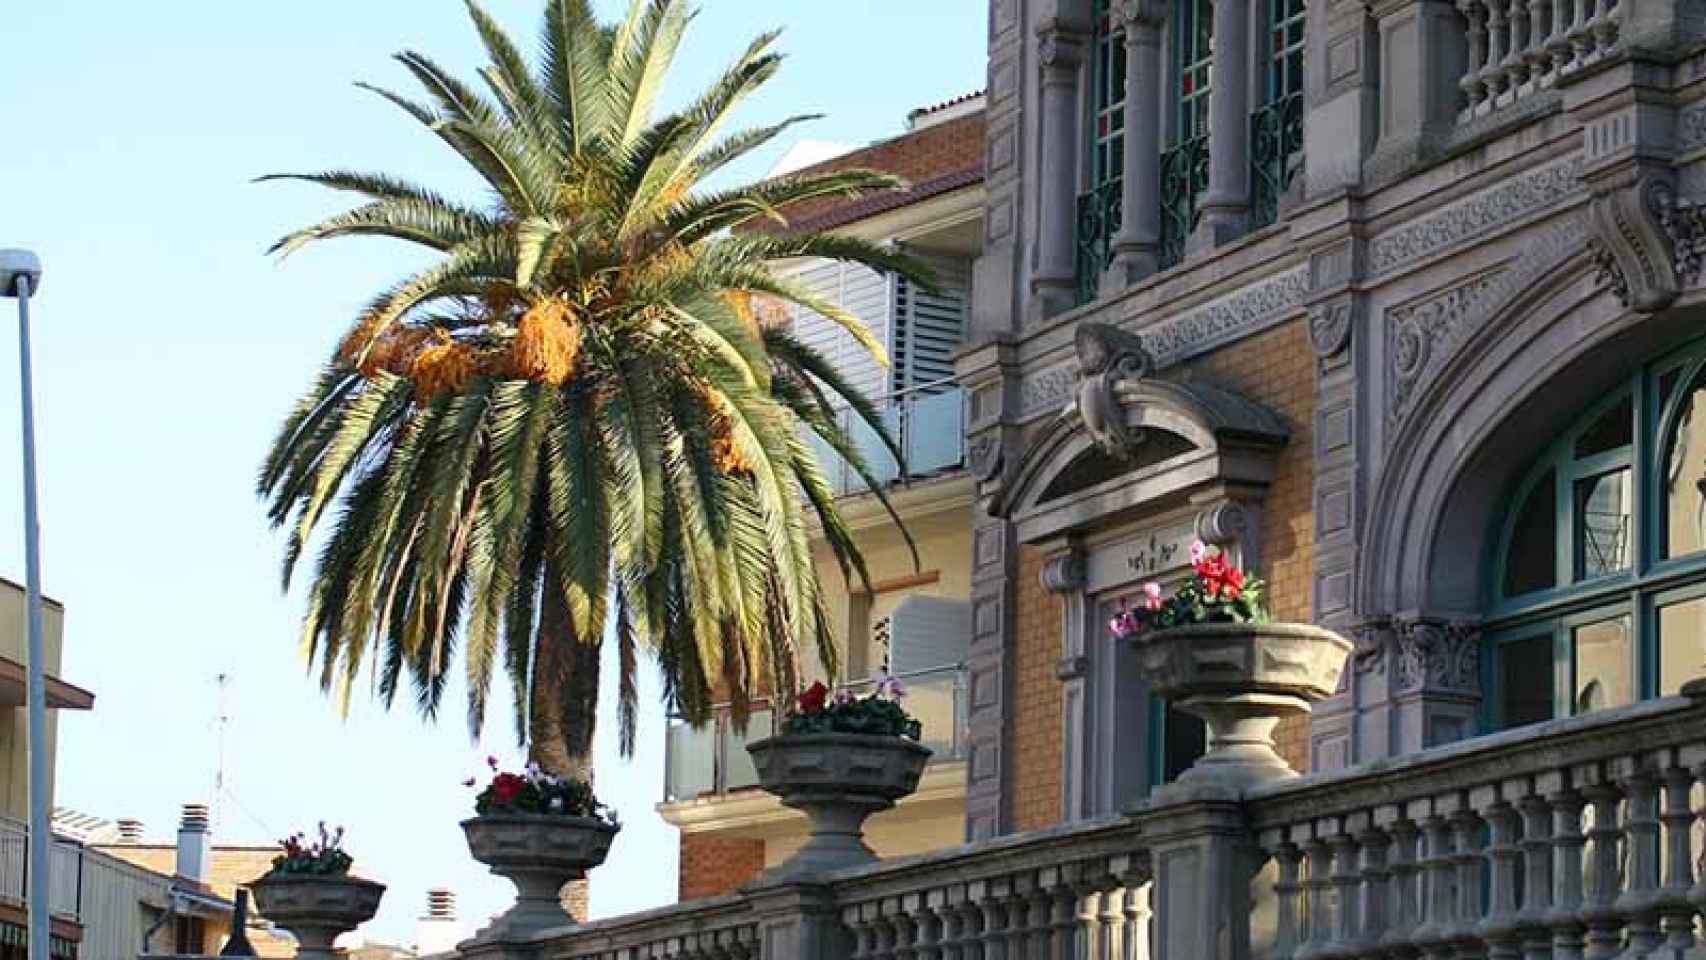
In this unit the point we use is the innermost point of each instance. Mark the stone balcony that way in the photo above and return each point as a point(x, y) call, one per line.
point(1536, 842)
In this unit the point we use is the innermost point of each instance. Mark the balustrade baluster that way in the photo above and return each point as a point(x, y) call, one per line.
point(1439, 897)
point(1534, 55)
point(971, 925)
point(1568, 843)
point(1346, 881)
point(1406, 876)
point(1580, 33)
point(1288, 927)
point(1066, 917)
point(1697, 894)
point(1135, 938)
point(1537, 877)
point(1108, 923)
point(1467, 827)
point(858, 932)
point(1639, 902)
point(1501, 928)
point(1515, 65)
point(1558, 41)
point(947, 905)
point(1376, 891)
point(1473, 87)
point(1317, 892)
point(1678, 820)
point(1605, 873)
point(900, 927)
point(1039, 940)
point(992, 899)
point(927, 932)
point(1608, 25)
point(1018, 918)
point(1498, 40)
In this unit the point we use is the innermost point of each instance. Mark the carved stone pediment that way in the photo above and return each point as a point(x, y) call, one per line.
point(1647, 242)
point(1107, 355)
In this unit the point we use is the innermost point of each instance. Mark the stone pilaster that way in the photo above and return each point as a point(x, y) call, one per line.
point(1341, 92)
point(1225, 213)
point(1203, 865)
point(998, 286)
point(799, 920)
point(1063, 575)
point(1060, 53)
point(1137, 246)
point(1422, 58)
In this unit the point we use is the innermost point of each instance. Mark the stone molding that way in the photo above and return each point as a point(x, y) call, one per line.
point(1434, 654)
point(1647, 242)
point(1425, 330)
point(1225, 320)
point(1691, 127)
point(1060, 49)
point(1480, 213)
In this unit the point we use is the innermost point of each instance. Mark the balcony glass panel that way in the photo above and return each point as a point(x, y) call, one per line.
point(692, 768)
point(741, 773)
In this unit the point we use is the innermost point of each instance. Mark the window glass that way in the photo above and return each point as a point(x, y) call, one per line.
point(1684, 480)
point(1184, 738)
point(1525, 681)
point(1603, 505)
point(1604, 674)
point(1195, 60)
point(1530, 563)
point(1682, 644)
point(1613, 430)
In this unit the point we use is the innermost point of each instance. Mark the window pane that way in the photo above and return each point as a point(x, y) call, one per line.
point(1682, 644)
point(1604, 674)
point(1530, 562)
point(742, 772)
point(1602, 523)
point(1685, 473)
point(1525, 681)
point(1614, 430)
point(1183, 740)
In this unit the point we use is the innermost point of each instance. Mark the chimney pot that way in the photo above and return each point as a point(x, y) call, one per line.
point(441, 904)
point(130, 830)
point(195, 844)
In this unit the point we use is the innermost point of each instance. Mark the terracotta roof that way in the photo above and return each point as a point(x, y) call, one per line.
point(945, 104)
point(934, 160)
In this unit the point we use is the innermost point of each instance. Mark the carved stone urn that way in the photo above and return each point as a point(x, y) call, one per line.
point(837, 780)
point(539, 853)
point(1241, 680)
point(316, 909)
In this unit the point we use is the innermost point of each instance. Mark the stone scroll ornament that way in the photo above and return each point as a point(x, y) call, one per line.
point(1647, 242)
point(1107, 355)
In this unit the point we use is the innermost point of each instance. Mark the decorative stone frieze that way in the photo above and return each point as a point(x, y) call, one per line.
point(1108, 356)
point(1436, 654)
point(1479, 213)
point(1425, 330)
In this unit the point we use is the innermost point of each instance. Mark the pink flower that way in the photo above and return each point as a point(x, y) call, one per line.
point(492, 762)
point(843, 697)
point(889, 686)
point(1152, 595)
point(1198, 551)
point(468, 782)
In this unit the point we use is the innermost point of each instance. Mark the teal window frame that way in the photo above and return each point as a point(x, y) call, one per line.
point(1276, 127)
point(1639, 590)
point(1098, 213)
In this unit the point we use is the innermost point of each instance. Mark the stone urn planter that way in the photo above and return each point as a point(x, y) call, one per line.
point(837, 780)
point(1241, 680)
point(316, 909)
point(539, 853)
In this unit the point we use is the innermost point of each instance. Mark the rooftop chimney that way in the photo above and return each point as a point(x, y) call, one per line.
point(195, 844)
point(438, 931)
point(129, 830)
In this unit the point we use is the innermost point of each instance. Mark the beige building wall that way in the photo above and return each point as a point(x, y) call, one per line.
point(14, 728)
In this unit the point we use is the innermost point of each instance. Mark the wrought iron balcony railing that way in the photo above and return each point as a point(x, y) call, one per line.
point(1184, 180)
point(1098, 222)
point(1276, 155)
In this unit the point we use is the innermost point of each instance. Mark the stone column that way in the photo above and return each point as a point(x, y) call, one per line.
point(1137, 246)
point(1060, 52)
point(1225, 211)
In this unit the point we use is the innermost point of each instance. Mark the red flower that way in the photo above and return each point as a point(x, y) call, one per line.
point(813, 699)
point(1232, 584)
point(505, 786)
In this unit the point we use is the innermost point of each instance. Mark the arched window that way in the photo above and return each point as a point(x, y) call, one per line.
point(1599, 590)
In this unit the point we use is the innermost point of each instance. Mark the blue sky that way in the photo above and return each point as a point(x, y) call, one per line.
point(167, 347)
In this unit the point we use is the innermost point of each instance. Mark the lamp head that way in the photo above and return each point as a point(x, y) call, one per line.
point(16, 265)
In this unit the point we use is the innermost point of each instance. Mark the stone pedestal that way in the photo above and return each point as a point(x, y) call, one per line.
point(539, 853)
point(1240, 679)
point(837, 780)
point(315, 909)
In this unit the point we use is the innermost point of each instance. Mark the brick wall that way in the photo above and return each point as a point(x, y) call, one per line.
point(713, 865)
point(1276, 368)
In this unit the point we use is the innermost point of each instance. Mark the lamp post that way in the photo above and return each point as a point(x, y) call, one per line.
point(20, 278)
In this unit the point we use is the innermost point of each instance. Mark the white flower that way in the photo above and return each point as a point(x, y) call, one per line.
point(556, 803)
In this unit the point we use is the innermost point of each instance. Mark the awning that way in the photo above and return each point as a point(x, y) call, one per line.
point(15, 935)
point(60, 695)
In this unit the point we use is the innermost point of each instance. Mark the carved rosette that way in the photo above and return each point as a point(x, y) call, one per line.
point(1436, 654)
point(1330, 330)
point(1108, 356)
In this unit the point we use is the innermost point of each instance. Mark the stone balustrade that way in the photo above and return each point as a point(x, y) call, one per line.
point(1572, 839)
point(1518, 47)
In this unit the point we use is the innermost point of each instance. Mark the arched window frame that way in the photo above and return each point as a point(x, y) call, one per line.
point(1638, 593)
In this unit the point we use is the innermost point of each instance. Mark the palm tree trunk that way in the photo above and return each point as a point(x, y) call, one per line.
point(563, 710)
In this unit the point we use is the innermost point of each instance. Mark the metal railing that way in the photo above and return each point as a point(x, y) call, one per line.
point(65, 873)
point(1098, 222)
point(1276, 155)
point(711, 761)
point(928, 423)
point(1184, 181)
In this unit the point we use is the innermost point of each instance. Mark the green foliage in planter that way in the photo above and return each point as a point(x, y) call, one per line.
point(875, 714)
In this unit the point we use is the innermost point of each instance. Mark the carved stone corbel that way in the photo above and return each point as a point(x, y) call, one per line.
point(1646, 242)
point(1143, 13)
point(1374, 639)
point(1233, 523)
point(1108, 355)
point(986, 458)
point(1064, 573)
point(1330, 331)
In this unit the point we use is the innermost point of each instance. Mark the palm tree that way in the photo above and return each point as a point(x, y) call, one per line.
point(577, 421)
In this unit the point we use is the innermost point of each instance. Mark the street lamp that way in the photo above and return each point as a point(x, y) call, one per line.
point(20, 277)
